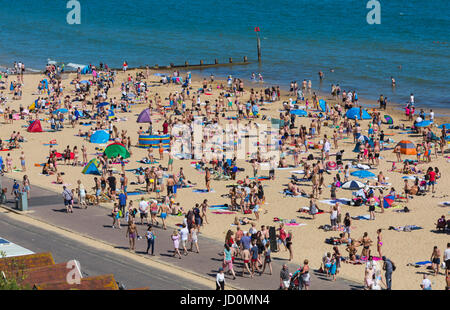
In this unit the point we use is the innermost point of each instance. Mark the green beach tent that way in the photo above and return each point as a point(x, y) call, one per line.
point(117, 149)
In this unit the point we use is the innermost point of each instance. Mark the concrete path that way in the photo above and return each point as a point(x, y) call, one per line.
point(95, 222)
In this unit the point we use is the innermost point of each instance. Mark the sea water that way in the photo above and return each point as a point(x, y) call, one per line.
point(298, 38)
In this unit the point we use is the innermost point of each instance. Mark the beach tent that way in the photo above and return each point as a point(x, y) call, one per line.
point(323, 105)
point(354, 113)
point(353, 185)
point(389, 119)
point(447, 126)
point(62, 110)
point(407, 147)
point(423, 124)
point(86, 70)
point(116, 149)
point(100, 136)
point(363, 174)
point(92, 167)
point(145, 116)
point(299, 112)
point(35, 126)
point(388, 201)
point(147, 141)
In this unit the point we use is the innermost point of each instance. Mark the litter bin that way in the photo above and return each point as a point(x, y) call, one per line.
point(22, 204)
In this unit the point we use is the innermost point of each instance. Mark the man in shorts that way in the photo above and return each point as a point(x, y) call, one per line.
point(184, 233)
point(143, 210)
point(285, 278)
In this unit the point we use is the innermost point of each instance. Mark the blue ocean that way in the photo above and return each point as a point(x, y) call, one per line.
point(298, 38)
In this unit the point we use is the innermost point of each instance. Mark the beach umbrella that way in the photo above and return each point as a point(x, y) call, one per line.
point(447, 126)
point(423, 124)
point(331, 165)
point(389, 119)
point(353, 185)
point(362, 174)
point(407, 147)
point(388, 201)
point(299, 112)
point(144, 116)
point(354, 113)
point(116, 149)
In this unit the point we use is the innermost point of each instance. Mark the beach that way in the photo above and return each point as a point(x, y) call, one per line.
point(308, 240)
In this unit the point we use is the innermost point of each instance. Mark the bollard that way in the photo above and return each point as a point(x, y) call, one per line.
point(22, 204)
point(245, 58)
point(231, 60)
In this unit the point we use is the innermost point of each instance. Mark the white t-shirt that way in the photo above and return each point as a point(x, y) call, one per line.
point(184, 232)
point(432, 116)
point(326, 146)
point(447, 254)
point(426, 283)
point(143, 206)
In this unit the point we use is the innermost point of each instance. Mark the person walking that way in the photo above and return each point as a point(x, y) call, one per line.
point(67, 195)
point(228, 259)
point(150, 240)
point(389, 268)
point(220, 280)
point(175, 237)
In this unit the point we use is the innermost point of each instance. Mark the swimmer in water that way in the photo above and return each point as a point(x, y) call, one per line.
point(392, 81)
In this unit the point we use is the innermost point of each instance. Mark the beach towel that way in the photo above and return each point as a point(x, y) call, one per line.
point(135, 193)
point(444, 204)
point(344, 201)
point(361, 217)
point(218, 207)
point(418, 264)
point(298, 171)
point(223, 212)
point(200, 191)
point(407, 228)
point(295, 224)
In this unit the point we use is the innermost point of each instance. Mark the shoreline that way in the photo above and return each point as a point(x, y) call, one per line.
point(440, 113)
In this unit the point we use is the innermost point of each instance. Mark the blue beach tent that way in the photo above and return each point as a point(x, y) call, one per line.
point(91, 167)
point(323, 105)
point(354, 113)
point(100, 136)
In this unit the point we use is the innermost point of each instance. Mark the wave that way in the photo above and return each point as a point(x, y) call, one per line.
point(76, 66)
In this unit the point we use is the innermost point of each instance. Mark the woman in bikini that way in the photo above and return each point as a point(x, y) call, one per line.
point(204, 208)
point(379, 242)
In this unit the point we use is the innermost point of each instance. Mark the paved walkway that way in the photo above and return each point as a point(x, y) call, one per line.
point(95, 222)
